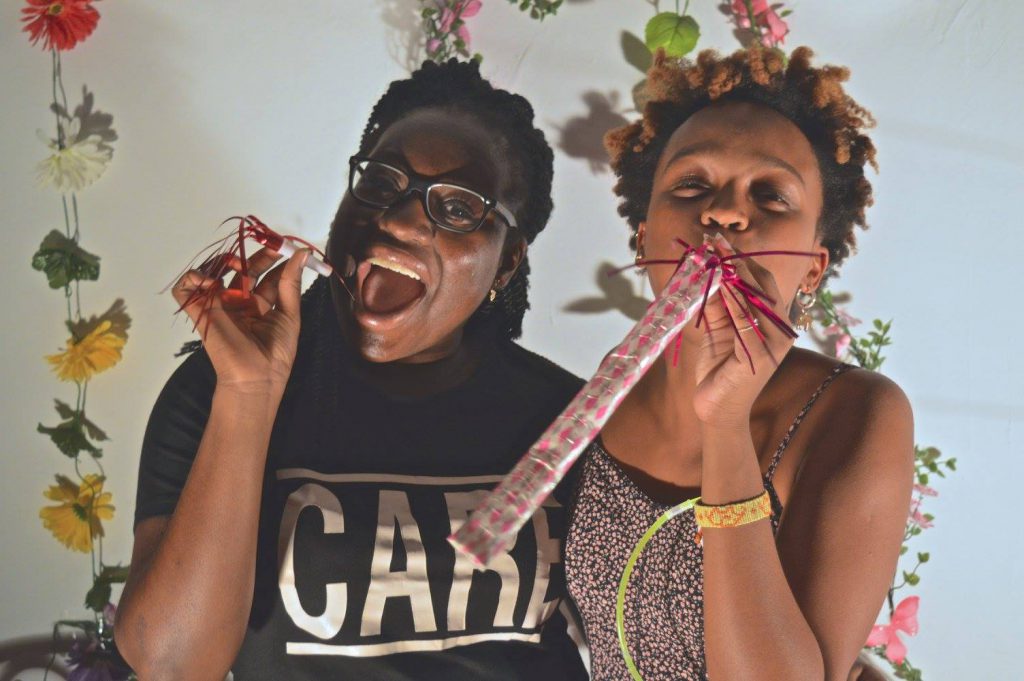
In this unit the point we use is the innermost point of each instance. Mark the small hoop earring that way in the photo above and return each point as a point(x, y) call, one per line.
point(805, 300)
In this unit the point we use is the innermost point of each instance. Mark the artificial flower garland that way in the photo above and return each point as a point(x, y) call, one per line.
point(80, 153)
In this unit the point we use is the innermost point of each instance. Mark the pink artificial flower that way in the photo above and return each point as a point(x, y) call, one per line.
point(463, 9)
point(925, 490)
point(846, 318)
point(904, 618)
point(777, 28)
point(843, 344)
point(917, 517)
point(61, 25)
point(432, 45)
point(773, 28)
point(739, 8)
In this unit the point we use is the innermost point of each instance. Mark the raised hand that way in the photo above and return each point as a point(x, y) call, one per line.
point(250, 330)
point(728, 380)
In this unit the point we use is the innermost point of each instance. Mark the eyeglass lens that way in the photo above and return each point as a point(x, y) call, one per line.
point(454, 207)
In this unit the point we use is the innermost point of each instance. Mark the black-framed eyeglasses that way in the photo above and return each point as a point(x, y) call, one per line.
point(451, 207)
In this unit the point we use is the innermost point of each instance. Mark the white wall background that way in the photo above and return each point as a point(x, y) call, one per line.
point(229, 107)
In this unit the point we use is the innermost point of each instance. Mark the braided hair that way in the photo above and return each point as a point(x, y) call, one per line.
point(457, 86)
point(811, 97)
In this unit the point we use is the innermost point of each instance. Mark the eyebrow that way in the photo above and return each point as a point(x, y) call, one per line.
point(711, 147)
point(457, 175)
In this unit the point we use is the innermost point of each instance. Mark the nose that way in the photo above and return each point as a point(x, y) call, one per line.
point(406, 219)
point(724, 213)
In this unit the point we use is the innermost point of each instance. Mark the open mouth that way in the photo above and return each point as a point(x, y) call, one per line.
point(387, 287)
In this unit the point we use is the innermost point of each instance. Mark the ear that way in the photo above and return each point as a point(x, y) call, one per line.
point(819, 265)
point(511, 257)
point(641, 229)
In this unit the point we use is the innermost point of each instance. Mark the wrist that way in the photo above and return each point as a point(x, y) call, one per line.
point(250, 400)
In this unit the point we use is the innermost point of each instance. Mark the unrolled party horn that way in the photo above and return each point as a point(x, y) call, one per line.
point(700, 273)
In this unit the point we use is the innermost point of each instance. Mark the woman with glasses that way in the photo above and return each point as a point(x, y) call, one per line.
point(301, 473)
point(803, 464)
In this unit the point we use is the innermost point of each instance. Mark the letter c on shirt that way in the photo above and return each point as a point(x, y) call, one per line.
point(328, 624)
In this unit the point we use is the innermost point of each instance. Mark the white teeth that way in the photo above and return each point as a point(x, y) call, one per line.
point(394, 267)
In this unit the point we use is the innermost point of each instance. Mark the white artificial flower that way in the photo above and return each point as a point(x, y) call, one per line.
point(80, 163)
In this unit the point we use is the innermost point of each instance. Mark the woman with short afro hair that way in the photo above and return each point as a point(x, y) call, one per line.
point(803, 464)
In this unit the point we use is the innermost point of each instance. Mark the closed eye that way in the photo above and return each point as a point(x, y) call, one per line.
point(771, 198)
point(690, 187)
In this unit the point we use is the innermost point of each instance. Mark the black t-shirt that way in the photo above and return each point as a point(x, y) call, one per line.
point(354, 576)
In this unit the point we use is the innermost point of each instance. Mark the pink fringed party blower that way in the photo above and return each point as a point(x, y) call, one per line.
point(498, 519)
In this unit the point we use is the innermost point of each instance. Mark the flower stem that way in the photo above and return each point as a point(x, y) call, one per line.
point(755, 27)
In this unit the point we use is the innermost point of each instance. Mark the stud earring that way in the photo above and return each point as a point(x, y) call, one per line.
point(492, 295)
point(805, 300)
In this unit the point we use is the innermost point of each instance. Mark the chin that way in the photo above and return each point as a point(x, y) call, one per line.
point(373, 348)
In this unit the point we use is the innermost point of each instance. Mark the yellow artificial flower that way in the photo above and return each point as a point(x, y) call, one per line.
point(76, 521)
point(99, 350)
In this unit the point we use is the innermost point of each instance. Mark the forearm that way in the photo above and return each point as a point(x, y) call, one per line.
point(184, 611)
point(754, 628)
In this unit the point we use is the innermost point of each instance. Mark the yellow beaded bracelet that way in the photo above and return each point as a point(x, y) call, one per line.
point(734, 514)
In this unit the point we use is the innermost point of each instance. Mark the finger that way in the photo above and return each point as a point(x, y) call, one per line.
point(196, 294)
point(257, 264)
point(289, 286)
point(750, 271)
point(266, 292)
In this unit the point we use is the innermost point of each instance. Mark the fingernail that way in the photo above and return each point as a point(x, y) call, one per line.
point(305, 256)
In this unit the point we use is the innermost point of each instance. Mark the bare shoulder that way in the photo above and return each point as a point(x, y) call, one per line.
point(862, 419)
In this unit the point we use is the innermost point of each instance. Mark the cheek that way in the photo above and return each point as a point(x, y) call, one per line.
point(351, 220)
point(469, 266)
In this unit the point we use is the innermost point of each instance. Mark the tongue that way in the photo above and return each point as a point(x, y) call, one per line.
point(385, 291)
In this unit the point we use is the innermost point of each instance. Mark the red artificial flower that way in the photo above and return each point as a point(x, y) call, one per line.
point(61, 24)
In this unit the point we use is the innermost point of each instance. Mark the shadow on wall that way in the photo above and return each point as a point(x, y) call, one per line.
point(582, 137)
point(618, 293)
point(32, 654)
point(405, 32)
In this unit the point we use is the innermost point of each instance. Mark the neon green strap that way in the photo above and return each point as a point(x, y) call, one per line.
point(620, 601)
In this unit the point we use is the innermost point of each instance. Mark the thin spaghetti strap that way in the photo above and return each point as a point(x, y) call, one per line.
point(777, 457)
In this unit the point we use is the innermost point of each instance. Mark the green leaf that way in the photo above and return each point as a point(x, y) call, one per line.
point(676, 34)
point(70, 438)
point(62, 260)
point(911, 578)
point(923, 557)
point(66, 412)
point(951, 464)
point(903, 550)
point(98, 596)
